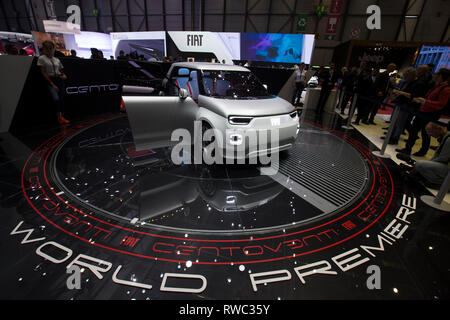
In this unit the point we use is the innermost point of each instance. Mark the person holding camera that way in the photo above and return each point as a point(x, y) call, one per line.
point(431, 109)
point(411, 87)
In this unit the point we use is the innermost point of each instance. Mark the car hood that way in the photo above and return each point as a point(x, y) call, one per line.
point(243, 107)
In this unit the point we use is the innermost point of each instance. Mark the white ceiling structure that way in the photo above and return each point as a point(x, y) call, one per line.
point(401, 20)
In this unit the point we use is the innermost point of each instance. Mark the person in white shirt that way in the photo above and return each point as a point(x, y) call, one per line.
point(52, 70)
point(299, 82)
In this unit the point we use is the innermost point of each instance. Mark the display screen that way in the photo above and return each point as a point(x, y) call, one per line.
point(274, 47)
point(149, 45)
point(437, 55)
point(83, 42)
point(264, 47)
point(146, 48)
point(57, 38)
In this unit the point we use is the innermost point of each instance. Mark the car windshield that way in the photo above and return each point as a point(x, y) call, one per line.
point(232, 85)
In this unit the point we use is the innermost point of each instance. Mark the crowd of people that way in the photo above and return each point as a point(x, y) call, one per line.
point(133, 55)
point(433, 172)
point(11, 49)
point(421, 96)
point(426, 101)
point(371, 86)
point(422, 104)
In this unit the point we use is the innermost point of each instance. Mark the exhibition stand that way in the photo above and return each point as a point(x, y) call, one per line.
point(93, 87)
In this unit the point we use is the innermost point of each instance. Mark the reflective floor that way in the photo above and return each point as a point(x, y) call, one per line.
point(335, 221)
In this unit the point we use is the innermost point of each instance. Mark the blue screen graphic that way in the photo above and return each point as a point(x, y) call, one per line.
point(274, 47)
point(437, 55)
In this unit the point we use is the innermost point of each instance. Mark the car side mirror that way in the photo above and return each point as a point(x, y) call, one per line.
point(183, 94)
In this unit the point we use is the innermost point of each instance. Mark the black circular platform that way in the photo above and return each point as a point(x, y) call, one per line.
point(90, 183)
point(99, 169)
point(220, 231)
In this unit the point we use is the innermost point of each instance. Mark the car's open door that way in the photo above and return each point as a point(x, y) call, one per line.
point(154, 118)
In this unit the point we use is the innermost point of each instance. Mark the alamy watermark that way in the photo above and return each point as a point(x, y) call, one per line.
point(240, 146)
point(374, 280)
point(74, 279)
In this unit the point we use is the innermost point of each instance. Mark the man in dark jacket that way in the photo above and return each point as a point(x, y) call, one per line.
point(348, 84)
point(425, 85)
point(364, 89)
point(381, 86)
point(327, 78)
point(430, 110)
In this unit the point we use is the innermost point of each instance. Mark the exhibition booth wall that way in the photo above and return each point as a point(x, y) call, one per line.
point(93, 87)
point(225, 47)
point(378, 54)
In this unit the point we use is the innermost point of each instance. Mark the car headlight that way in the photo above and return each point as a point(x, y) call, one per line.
point(237, 120)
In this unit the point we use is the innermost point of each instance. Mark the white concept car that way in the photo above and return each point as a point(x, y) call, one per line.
point(227, 98)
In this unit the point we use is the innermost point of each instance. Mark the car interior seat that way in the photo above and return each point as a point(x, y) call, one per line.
point(193, 85)
point(222, 85)
point(182, 78)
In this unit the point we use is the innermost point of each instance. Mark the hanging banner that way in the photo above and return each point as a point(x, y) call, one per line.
point(50, 8)
point(61, 27)
point(332, 24)
point(302, 22)
point(201, 41)
point(335, 7)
